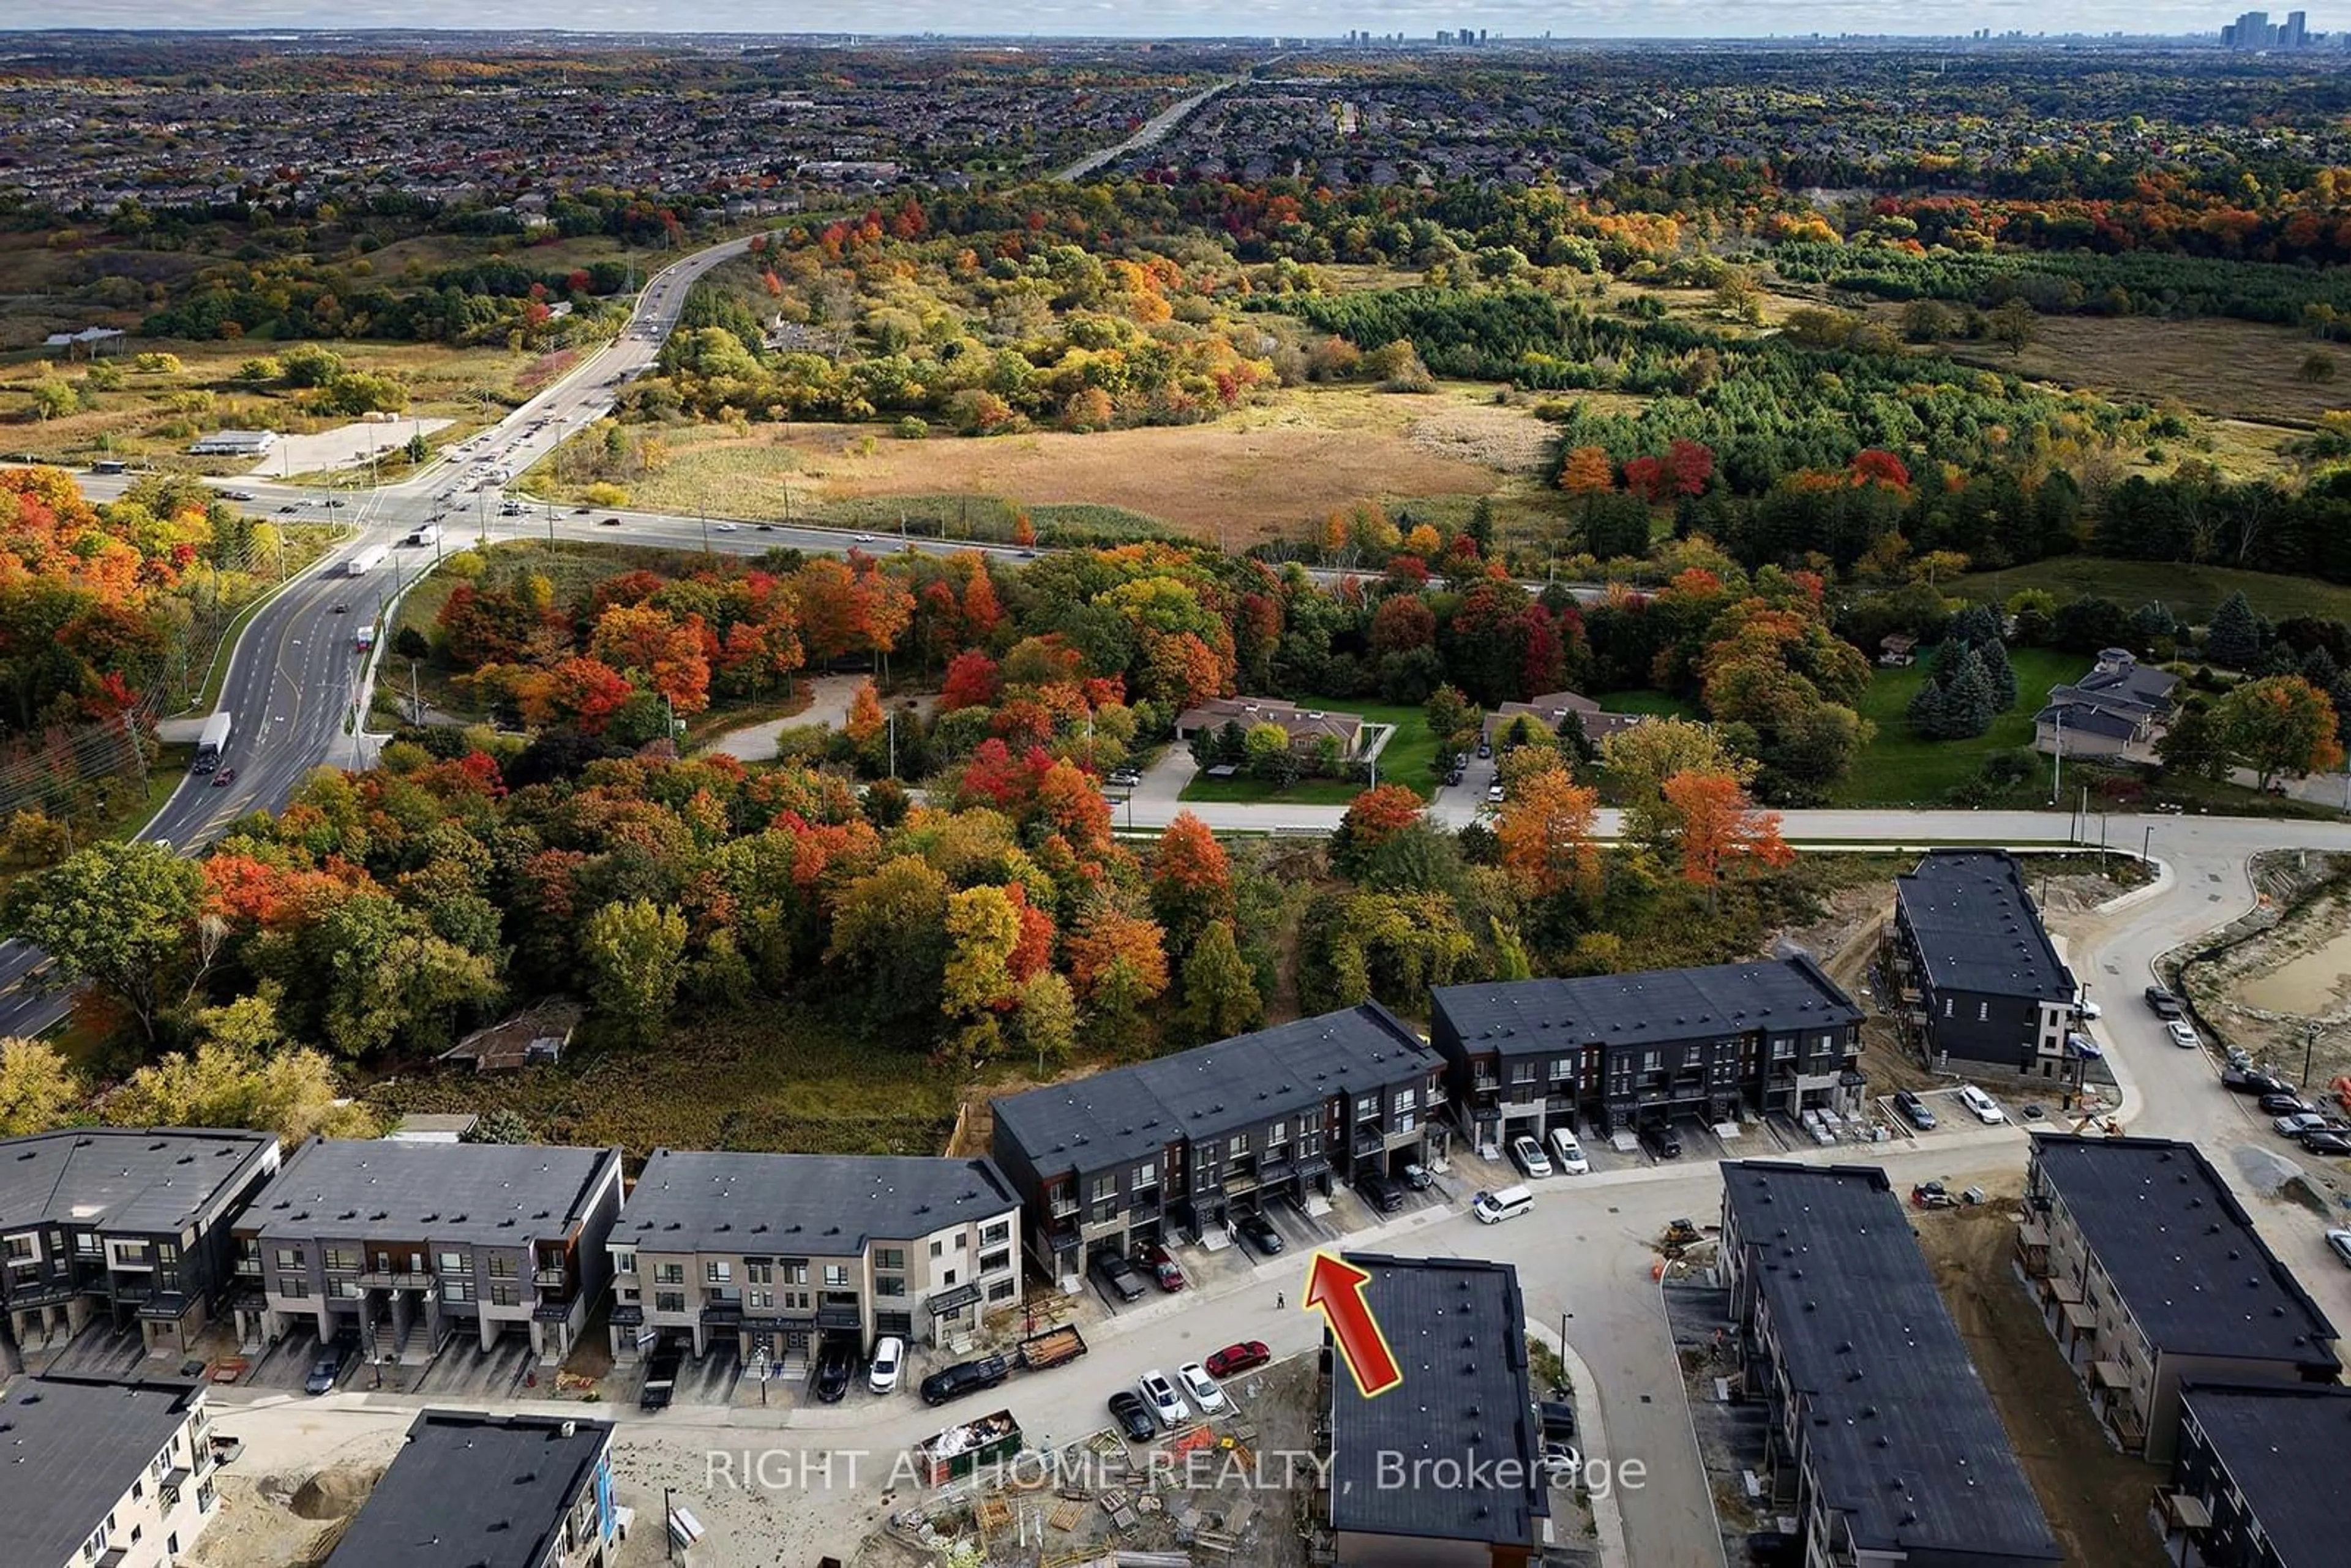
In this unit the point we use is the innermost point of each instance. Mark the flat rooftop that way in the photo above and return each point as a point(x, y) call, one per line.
point(1458, 1332)
point(1904, 1437)
point(392, 1189)
point(69, 1449)
point(1976, 926)
point(1131, 1113)
point(483, 1492)
point(1516, 1018)
point(824, 1205)
point(2181, 1250)
point(2287, 1446)
point(125, 1178)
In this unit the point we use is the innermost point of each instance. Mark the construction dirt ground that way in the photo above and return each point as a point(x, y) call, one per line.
point(2096, 1497)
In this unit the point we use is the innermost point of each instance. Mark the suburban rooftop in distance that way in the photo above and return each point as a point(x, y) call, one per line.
point(124, 1178)
point(359, 1188)
point(1904, 1440)
point(2181, 1250)
point(1132, 1112)
point(1515, 1016)
point(1457, 1329)
point(691, 1201)
point(70, 1449)
point(1976, 927)
point(472, 1491)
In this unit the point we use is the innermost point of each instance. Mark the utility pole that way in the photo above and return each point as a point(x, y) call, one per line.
point(2057, 772)
point(2309, 1042)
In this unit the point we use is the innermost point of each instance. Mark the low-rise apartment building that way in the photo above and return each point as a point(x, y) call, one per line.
point(2253, 1483)
point(1607, 1052)
point(1976, 981)
point(1444, 1471)
point(1185, 1144)
point(125, 1223)
point(490, 1491)
point(101, 1474)
point(2150, 1274)
point(413, 1242)
point(1884, 1443)
point(774, 1252)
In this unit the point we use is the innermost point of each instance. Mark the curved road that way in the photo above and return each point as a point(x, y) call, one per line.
point(293, 675)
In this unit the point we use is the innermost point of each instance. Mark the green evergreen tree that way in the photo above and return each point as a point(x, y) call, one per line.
point(2234, 637)
point(1929, 711)
point(1969, 704)
point(2002, 674)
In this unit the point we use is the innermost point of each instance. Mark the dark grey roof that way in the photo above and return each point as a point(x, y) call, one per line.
point(689, 1201)
point(1514, 1017)
point(1458, 1332)
point(1976, 927)
point(1131, 1113)
point(2182, 1253)
point(486, 1491)
point(2081, 717)
point(1905, 1440)
point(69, 1449)
point(126, 1178)
point(2286, 1447)
point(487, 1193)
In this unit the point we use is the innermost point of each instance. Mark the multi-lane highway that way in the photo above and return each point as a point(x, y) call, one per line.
point(293, 684)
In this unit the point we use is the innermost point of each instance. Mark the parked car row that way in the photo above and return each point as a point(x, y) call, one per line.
point(1158, 1403)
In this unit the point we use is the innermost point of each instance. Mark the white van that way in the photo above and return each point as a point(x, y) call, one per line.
point(1493, 1208)
point(1986, 1109)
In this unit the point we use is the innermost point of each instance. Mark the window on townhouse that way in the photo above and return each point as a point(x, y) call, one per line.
point(335, 1260)
point(1146, 1174)
point(669, 1274)
point(939, 1246)
point(345, 1289)
point(1407, 1121)
point(1562, 1069)
point(1003, 1290)
point(625, 1262)
point(19, 1246)
point(1407, 1099)
point(505, 1295)
point(995, 1231)
point(1369, 1105)
point(761, 1299)
point(1783, 1049)
point(294, 1287)
point(1947, 1007)
point(669, 1300)
point(1105, 1188)
point(794, 1270)
point(502, 1267)
point(167, 1252)
point(457, 1291)
point(836, 1277)
point(85, 1243)
point(759, 1273)
point(1983, 1013)
point(1236, 1145)
point(989, 1262)
point(889, 1284)
point(718, 1271)
point(291, 1258)
point(457, 1264)
point(1651, 1061)
point(892, 1259)
point(1692, 1055)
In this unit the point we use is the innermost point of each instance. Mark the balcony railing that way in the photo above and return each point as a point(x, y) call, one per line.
point(1062, 1206)
point(392, 1280)
point(550, 1278)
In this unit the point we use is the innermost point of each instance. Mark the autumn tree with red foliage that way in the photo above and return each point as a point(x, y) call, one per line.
point(1545, 829)
point(1719, 828)
point(1191, 881)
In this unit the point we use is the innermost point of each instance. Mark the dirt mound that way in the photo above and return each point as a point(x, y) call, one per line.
point(335, 1492)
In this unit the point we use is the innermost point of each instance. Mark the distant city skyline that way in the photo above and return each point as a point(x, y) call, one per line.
point(1418, 20)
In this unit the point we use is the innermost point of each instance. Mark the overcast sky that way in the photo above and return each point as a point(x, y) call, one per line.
point(1321, 18)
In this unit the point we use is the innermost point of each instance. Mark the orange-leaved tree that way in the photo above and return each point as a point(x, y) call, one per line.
point(1720, 828)
point(1546, 834)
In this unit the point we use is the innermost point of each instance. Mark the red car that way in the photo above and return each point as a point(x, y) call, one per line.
point(1235, 1359)
point(1164, 1267)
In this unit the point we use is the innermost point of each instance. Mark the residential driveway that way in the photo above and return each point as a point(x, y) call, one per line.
point(1158, 798)
point(831, 695)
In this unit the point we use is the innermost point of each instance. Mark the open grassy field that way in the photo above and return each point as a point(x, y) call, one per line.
point(156, 413)
point(1404, 760)
point(2244, 370)
point(1899, 768)
point(1267, 472)
point(779, 1080)
point(2192, 591)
